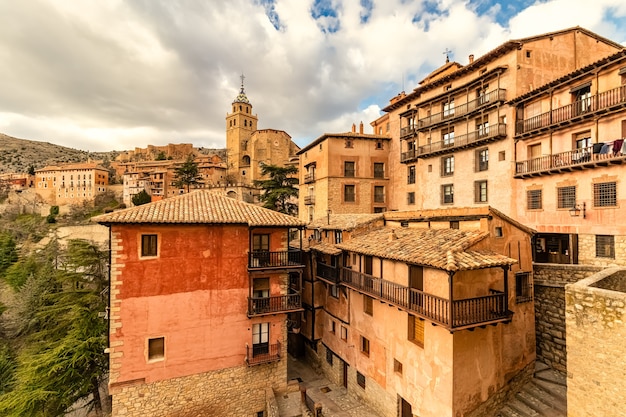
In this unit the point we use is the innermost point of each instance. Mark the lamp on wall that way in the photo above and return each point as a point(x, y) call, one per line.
point(577, 209)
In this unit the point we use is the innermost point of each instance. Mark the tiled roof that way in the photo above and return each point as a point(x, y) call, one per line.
point(447, 249)
point(200, 207)
point(343, 221)
point(323, 247)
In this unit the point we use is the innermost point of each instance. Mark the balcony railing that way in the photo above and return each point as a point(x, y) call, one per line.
point(566, 161)
point(310, 177)
point(327, 272)
point(472, 139)
point(262, 353)
point(309, 200)
point(260, 306)
point(466, 313)
point(585, 108)
point(281, 259)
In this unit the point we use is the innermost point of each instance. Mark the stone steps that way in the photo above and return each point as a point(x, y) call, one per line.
point(544, 396)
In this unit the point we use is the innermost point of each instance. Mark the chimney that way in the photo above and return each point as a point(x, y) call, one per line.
point(471, 58)
point(353, 128)
point(361, 128)
point(392, 235)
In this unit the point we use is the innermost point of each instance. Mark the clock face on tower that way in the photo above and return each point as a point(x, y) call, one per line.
point(275, 142)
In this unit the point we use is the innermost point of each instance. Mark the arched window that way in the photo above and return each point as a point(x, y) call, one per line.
point(246, 160)
point(239, 108)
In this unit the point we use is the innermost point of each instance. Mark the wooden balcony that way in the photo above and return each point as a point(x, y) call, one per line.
point(277, 304)
point(470, 140)
point(277, 260)
point(327, 273)
point(606, 102)
point(458, 315)
point(463, 110)
point(310, 177)
point(309, 200)
point(577, 159)
point(263, 353)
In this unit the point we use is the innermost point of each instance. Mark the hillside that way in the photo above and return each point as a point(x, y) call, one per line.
point(16, 155)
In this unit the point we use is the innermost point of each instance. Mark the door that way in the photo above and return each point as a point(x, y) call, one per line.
point(404, 408)
point(260, 339)
point(416, 282)
point(345, 375)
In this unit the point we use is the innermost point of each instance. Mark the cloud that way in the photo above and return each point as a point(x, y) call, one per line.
point(121, 74)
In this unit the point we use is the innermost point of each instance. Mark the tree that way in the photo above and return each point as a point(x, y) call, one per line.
point(161, 156)
point(279, 189)
point(31, 170)
point(187, 174)
point(61, 359)
point(142, 197)
point(8, 252)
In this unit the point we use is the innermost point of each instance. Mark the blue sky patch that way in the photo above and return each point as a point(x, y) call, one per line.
point(325, 15)
point(270, 12)
point(367, 6)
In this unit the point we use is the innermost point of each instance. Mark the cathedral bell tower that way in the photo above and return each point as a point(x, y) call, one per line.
point(240, 124)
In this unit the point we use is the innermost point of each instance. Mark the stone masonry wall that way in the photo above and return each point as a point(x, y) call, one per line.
point(549, 283)
point(596, 350)
point(587, 251)
point(239, 391)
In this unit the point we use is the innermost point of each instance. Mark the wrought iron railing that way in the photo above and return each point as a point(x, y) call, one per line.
point(466, 313)
point(310, 177)
point(309, 199)
point(274, 304)
point(580, 108)
point(564, 160)
point(266, 259)
point(258, 354)
point(327, 272)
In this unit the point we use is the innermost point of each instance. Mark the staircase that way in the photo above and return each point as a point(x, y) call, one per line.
point(544, 396)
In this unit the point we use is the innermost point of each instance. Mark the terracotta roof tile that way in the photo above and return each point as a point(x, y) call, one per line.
point(202, 207)
point(448, 249)
point(343, 221)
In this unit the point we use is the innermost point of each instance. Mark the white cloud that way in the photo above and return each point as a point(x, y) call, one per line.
point(121, 74)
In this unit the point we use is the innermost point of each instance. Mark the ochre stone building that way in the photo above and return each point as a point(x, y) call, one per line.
point(71, 183)
point(201, 285)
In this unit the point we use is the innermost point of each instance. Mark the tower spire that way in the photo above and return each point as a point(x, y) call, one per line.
point(242, 78)
point(241, 97)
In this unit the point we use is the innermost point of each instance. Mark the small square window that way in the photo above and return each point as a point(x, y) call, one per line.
point(397, 366)
point(498, 231)
point(502, 156)
point(605, 246)
point(410, 197)
point(156, 348)
point(360, 379)
point(149, 245)
point(454, 224)
point(365, 346)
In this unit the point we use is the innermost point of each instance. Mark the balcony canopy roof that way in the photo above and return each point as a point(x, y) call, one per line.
point(200, 207)
point(447, 249)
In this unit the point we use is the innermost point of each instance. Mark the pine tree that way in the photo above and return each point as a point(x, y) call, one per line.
point(187, 174)
point(279, 190)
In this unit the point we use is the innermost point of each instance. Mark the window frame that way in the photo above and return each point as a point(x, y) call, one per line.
point(261, 242)
point(352, 194)
point(482, 160)
point(481, 195)
point(534, 199)
point(153, 343)
point(606, 241)
point(412, 336)
point(364, 345)
point(379, 170)
point(410, 176)
point(447, 166)
point(379, 194)
point(368, 305)
point(447, 194)
point(566, 197)
point(149, 245)
point(605, 194)
point(349, 172)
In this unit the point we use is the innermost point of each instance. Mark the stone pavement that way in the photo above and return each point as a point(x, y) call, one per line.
point(335, 399)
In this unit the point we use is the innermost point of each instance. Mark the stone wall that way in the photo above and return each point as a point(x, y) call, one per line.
point(549, 282)
point(596, 351)
point(240, 391)
point(587, 251)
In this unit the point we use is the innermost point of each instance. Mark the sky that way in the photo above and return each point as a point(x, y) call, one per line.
point(118, 74)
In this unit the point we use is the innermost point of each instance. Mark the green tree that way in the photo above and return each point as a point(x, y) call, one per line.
point(279, 190)
point(142, 197)
point(31, 170)
point(187, 174)
point(161, 156)
point(62, 359)
point(8, 252)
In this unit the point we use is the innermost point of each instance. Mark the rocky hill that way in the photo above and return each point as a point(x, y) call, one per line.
point(16, 155)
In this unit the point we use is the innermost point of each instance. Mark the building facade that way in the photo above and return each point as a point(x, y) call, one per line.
point(71, 183)
point(344, 173)
point(201, 288)
point(569, 164)
point(430, 315)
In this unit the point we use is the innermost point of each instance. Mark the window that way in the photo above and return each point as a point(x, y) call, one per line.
point(360, 379)
point(605, 246)
point(480, 191)
point(566, 197)
point(523, 287)
point(447, 136)
point(156, 348)
point(581, 97)
point(447, 166)
point(448, 108)
point(365, 346)
point(368, 305)
point(333, 326)
point(379, 170)
point(344, 333)
point(605, 194)
point(149, 245)
point(482, 159)
point(379, 209)
point(533, 199)
point(416, 330)
point(348, 143)
point(260, 287)
point(329, 357)
point(348, 169)
point(261, 242)
point(410, 197)
point(338, 236)
point(482, 127)
point(379, 194)
point(454, 224)
point(349, 194)
point(447, 194)
point(260, 339)
point(379, 145)
point(498, 231)
point(397, 366)
point(334, 291)
point(368, 264)
point(410, 177)
point(481, 94)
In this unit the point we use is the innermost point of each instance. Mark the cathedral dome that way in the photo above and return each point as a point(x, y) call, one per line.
point(241, 97)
